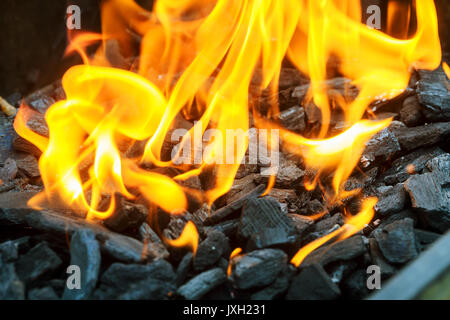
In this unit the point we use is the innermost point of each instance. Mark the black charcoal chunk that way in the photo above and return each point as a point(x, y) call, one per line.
point(411, 112)
point(355, 285)
point(38, 263)
point(313, 283)
point(11, 288)
point(301, 223)
point(45, 293)
point(119, 278)
point(423, 136)
point(425, 238)
point(183, 268)
point(201, 284)
point(344, 250)
point(324, 227)
point(270, 237)
point(260, 214)
point(278, 287)
point(9, 251)
point(391, 201)
point(387, 270)
point(126, 216)
point(433, 94)
point(257, 268)
point(382, 146)
point(397, 241)
point(84, 253)
point(228, 228)
point(210, 250)
point(430, 197)
point(293, 119)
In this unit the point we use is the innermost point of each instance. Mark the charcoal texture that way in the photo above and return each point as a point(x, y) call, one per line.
point(210, 250)
point(434, 95)
point(201, 284)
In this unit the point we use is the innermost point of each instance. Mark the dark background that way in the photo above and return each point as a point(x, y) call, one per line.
point(33, 39)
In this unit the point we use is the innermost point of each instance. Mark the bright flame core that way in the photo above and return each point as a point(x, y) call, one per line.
point(198, 57)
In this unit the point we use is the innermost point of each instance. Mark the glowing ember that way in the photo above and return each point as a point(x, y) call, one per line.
point(198, 57)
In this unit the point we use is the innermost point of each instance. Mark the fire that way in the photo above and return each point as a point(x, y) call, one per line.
point(197, 59)
point(188, 238)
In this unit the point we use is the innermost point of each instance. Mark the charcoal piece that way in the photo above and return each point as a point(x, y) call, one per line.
point(9, 251)
point(45, 293)
point(22, 145)
point(301, 223)
point(293, 119)
point(411, 112)
point(271, 237)
point(9, 170)
point(201, 284)
point(126, 216)
point(288, 174)
point(312, 207)
point(183, 268)
point(287, 196)
point(425, 238)
point(395, 217)
point(355, 286)
point(38, 263)
point(225, 212)
point(441, 164)
point(391, 201)
point(258, 268)
point(313, 283)
point(239, 188)
point(344, 250)
point(412, 163)
point(29, 165)
point(324, 227)
point(387, 270)
point(119, 278)
point(13, 210)
point(430, 197)
point(424, 136)
point(278, 287)
point(145, 232)
point(153, 246)
point(383, 146)
point(148, 289)
point(433, 94)
point(40, 102)
point(397, 241)
point(339, 270)
point(84, 253)
point(11, 288)
point(199, 216)
point(261, 214)
point(246, 168)
point(36, 122)
point(210, 250)
point(228, 228)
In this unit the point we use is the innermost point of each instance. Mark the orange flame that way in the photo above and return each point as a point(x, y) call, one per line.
point(188, 238)
point(197, 59)
point(233, 254)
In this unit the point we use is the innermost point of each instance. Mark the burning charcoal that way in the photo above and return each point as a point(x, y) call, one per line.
point(397, 241)
point(22, 145)
point(278, 287)
point(391, 201)
point(382, 146)
point(288, 174)
point(313, 283)
point(424, 136)
point(126, 216)
point(45, 293)
point(355, 285)
point(183, 268)
point(290, 77)
point(200, 215)
point(387, 270)
point(344, 250)
point(425, 238)
point(412, 163)
point(36, 122)
point(119, 278)
point(201, 284)
point(210, 250)
point(37, 263)
point(261, 214)
point(429, 194)
point(301, 223)
point(40, 101)
point(312, 207)
point(9, 170)
point(84, 253)
point(11, 288)
point(225, 212)
point(9, 251)
point(411, 112)
point(293, 119)
point(239, 188)
point(257, 268)
point(246, 168)
point(147, 233)
point(324, 227)
point(270, 237)
point(228, 228)
point(123, 248)
point(432, 90)
point(286, 196)
point(29, 165)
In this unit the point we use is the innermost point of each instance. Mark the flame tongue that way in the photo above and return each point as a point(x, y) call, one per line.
point(197, 58)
